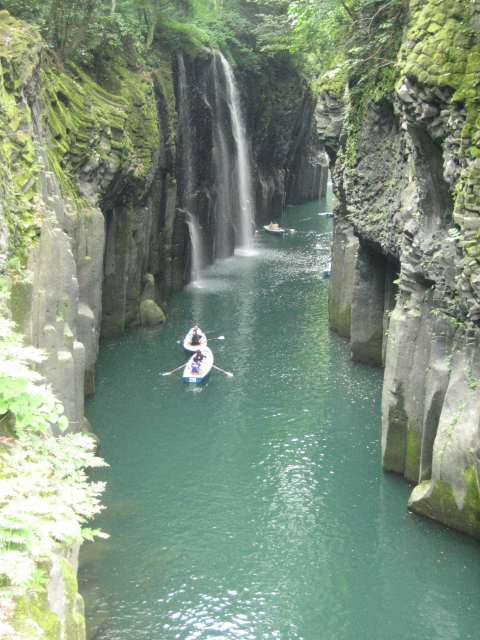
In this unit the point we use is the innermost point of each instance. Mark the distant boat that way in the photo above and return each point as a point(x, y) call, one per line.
point(326, 214)
point(187, 342)
point(274, 228)
point(194, 373)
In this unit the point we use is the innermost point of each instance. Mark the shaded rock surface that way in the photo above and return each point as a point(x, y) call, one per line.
point(405, 256)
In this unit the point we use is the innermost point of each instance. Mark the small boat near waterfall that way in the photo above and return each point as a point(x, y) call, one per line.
point(187, 342)
point(274, 229)
point(196, 373)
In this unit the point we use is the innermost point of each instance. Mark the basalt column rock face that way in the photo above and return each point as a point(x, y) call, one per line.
point(406, 248)
point(139, 205)
point(87, 191)
point(344, 258)
point(289, 157)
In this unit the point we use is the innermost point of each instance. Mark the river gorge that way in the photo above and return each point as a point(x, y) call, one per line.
point(255, 506)
point(330, 487)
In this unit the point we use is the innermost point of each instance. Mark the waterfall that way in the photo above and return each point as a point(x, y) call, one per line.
point(196, 244)
point(185, 137)
point(187, 174)
point(223, 171)
point(242, 168)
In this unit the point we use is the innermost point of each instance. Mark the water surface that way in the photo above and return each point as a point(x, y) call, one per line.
point(255, 507)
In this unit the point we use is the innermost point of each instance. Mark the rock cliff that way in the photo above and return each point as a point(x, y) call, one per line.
point(405, 270)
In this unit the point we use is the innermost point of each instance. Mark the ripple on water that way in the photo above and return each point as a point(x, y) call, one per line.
point(255, 507)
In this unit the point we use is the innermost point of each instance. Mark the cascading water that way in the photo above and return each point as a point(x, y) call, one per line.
point(223, 169)
point(196, 243)
point(243, 166)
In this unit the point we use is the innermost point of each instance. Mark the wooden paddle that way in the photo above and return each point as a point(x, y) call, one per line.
point(169, 373)
point(229, 374)
point(217, 338)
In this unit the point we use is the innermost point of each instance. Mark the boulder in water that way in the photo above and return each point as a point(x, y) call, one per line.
point(150, 313)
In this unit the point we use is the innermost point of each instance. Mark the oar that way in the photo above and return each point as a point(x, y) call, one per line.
point(217, 338)
point(169, 373)
point(229, 374)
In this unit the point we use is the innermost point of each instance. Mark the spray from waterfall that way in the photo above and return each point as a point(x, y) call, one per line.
point(243, 166)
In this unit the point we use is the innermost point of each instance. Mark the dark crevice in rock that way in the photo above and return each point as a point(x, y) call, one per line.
point(436, 201)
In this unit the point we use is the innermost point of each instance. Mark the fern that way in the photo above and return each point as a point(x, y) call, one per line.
point(46, 498)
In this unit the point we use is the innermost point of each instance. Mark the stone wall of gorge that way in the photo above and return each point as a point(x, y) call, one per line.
point(406, 268)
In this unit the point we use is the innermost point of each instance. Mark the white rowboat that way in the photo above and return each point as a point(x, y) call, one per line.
point(274, 229)
point(196, 375)
point(187, 342)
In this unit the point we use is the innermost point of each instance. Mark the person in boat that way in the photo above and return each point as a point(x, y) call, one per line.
point(197, 362)
point(198, 357)
point(196, 338)
point(273, 226)
point(195, 368)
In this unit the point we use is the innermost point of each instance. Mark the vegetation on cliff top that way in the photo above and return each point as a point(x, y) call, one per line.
point(88, 32)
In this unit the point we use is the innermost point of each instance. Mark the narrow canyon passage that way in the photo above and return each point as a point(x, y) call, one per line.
point(256, 507)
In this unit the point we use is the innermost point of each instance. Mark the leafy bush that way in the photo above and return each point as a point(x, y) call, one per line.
point(46, 498)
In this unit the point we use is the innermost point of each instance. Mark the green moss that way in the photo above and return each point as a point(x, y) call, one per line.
point(20, 301)
point(441, 48)
point(413, 453)
point(34, 619)
point(87, 121)
point(439, 504)
point(19, 51)
point(355, 115)
point(333, 82)
point(75, 619)
point(85, 128)
point(472, 499)
point(374, 91)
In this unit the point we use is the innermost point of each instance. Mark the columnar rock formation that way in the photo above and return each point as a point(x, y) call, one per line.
point(405, 276)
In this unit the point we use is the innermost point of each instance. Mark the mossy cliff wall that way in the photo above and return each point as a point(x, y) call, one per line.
point(87, 193)
point(406, 259)
point(88, 196)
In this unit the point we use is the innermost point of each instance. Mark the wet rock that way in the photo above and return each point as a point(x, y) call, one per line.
point(150, 313)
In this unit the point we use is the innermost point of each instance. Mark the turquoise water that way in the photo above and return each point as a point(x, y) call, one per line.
point(255, 507)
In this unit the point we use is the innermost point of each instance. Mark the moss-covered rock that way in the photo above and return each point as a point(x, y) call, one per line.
point(20, 48)
point(150, 313)
point(34, 620)
point(435, 499)
point(55, 613)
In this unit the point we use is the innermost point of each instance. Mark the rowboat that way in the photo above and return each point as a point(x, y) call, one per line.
point(197, 375)
point(274, 229)
point(187, 342)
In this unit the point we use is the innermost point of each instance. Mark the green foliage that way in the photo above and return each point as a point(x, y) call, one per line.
point(89, 31)
point(361, 36)
point(46, 497)
point(79, 30)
